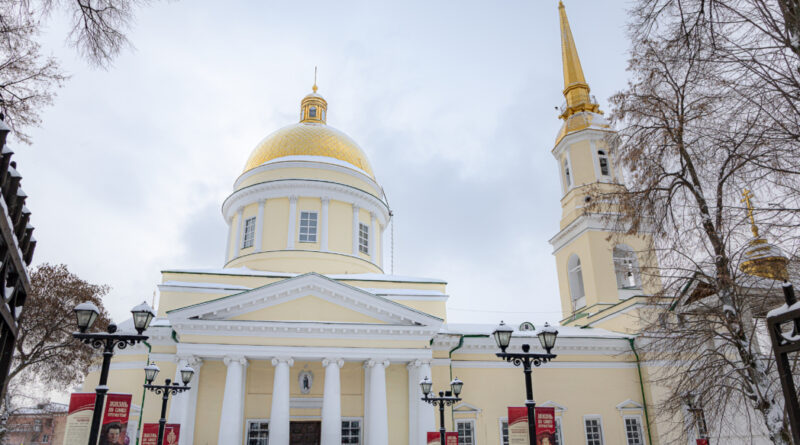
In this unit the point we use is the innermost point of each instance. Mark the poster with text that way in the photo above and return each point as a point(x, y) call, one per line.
point(449, 438)
point(518, 425)
point(545, 426)
point(79, 418)
point(115, 420)
point(172, 433)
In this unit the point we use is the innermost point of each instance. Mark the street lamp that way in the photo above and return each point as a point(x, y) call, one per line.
point(446, 398)
point(86, 314)
point(169, 387)
point(547, 337)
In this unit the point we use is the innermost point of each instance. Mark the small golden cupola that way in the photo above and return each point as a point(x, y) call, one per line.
point(313, 108)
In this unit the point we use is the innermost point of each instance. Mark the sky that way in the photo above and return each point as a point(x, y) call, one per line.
point(453, 102)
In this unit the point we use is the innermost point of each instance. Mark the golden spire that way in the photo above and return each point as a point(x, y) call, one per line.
point(576, 90)
point(314, 88)
point(747, 196)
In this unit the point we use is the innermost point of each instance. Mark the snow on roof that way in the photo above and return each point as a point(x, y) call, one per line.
point(563, 331)
point(204, 285)
point(323, 159)
point(246, 271)
point(43, 408)
point(409, 292)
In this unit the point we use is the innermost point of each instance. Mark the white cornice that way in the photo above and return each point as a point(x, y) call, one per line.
point(597, 222)
point(284, 188)
point(565, 345)
point(276, 329)
point(300, 353)
point(308, 162)
point(579, 136)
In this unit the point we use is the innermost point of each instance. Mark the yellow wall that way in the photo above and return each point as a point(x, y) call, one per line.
point(276, 217)
point(308, 308)
point(340, 217)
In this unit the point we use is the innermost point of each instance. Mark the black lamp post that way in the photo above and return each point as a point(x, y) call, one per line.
point(86, 314)
point(783, 344)
point(169, 387)
point(446, 398)
point(547, 337)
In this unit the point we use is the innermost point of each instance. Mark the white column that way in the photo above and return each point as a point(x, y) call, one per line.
point(332, 403)
point(231, 423)
point(413, 406)
point(237, 242)
point(365, 430)
point(183, 407)
point(259, 226)
point(292, 227)
point(279, 413)
point(323, 226)
point(373, 246)
point(425, 412)
point(378, 430)
point(189, 415)
point(355, 230)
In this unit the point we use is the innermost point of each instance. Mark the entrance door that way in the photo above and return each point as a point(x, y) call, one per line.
point(304, 433)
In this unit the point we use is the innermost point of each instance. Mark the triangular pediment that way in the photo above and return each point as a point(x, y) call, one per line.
point(308, 298)
point(629, 405)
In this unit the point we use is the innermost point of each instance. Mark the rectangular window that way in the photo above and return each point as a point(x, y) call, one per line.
point(567, 177)
point(308, 227)
point(504, 432)
point(466, 432)
point(351, 431)
point(257, 432)
point(633, 431)
point(594, 431)
point(363, 238)
point(249, 232)
point(559, 434)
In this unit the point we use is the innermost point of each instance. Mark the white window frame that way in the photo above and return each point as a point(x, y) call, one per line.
point(638, 419)
point(309, 234)
point(249, 241)
point(500, 423)
point(247, 429)
point(363, 242)
point(599, 419)
point(360, 427)
point(569, 180)
point(601, 154)
point(474, 430)
point(559, 431)
point(575, 279)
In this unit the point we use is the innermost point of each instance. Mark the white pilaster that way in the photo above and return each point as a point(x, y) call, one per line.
point(331, 403)
point(279, 412)
point(323, 226)
point(229, 245)
point(378, 430)
point(237, 242)
point(355, 230)
point(259, 226)
point(177, 403)
point(413, 406)
point(292, 226)
point(425, 412)
point(373, 248)
point(231, 423)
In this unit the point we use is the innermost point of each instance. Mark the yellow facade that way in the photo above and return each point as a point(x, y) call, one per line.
point(302, 294)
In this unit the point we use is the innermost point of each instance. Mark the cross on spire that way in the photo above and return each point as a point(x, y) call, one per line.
point(748, 195)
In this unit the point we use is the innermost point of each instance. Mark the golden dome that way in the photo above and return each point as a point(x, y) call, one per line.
point(310, 137)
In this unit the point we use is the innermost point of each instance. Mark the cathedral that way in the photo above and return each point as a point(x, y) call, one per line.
point(301, 338)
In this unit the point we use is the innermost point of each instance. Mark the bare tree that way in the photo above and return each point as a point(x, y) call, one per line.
point(698, 126)
point(46, 353)
point(29, 80)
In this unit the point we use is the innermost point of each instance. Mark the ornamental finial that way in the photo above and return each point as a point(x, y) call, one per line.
point(748, 195)
point(314, 88)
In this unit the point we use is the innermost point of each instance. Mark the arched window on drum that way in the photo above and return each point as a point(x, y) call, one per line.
point(576, 290)
point(626, 268)
point(602, 159)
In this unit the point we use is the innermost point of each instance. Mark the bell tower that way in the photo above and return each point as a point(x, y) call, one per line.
point(597, 272)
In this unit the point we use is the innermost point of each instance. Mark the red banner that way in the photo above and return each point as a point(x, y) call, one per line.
point(436, 439)
point(115, 419)
point(518, 425)
point(172, 432)
point(79, 418)
point(702, 441)
point(545, 426)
